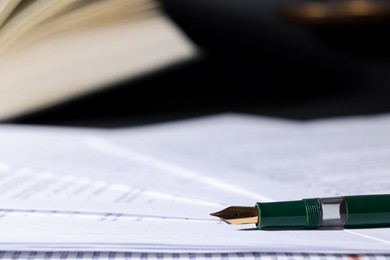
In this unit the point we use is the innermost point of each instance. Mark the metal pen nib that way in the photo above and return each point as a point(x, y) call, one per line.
point(238, 215)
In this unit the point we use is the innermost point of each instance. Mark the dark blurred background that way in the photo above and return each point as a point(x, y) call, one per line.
point(255, 60)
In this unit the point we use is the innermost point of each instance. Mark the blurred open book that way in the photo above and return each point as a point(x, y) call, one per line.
point(55, 50)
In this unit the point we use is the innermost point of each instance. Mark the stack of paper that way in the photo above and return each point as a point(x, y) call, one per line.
point(34, 255)
point(151, 189)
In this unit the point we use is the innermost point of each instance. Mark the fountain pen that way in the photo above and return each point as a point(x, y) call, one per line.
point(362, 211)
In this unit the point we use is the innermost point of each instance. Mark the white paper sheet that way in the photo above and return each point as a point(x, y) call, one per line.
point(80, 232)
point(33, 255)
point(28, 188)
point(82, 183)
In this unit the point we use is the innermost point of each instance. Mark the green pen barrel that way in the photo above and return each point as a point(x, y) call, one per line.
point(367, 211)
point(363, 211)
point(289, 214)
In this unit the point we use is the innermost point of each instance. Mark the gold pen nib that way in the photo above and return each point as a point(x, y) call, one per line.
point(238, 215)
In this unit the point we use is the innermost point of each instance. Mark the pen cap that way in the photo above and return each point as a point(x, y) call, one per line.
point(367, 211)
point(289, 214)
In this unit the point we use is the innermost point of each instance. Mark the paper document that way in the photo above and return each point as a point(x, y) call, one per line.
point(151, 189)
point(33, 255)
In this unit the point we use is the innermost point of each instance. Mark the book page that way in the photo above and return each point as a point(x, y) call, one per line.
point(28, 15)
point(92, 60)
point(42, 20)
point(6, 9)
point(53, 51)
